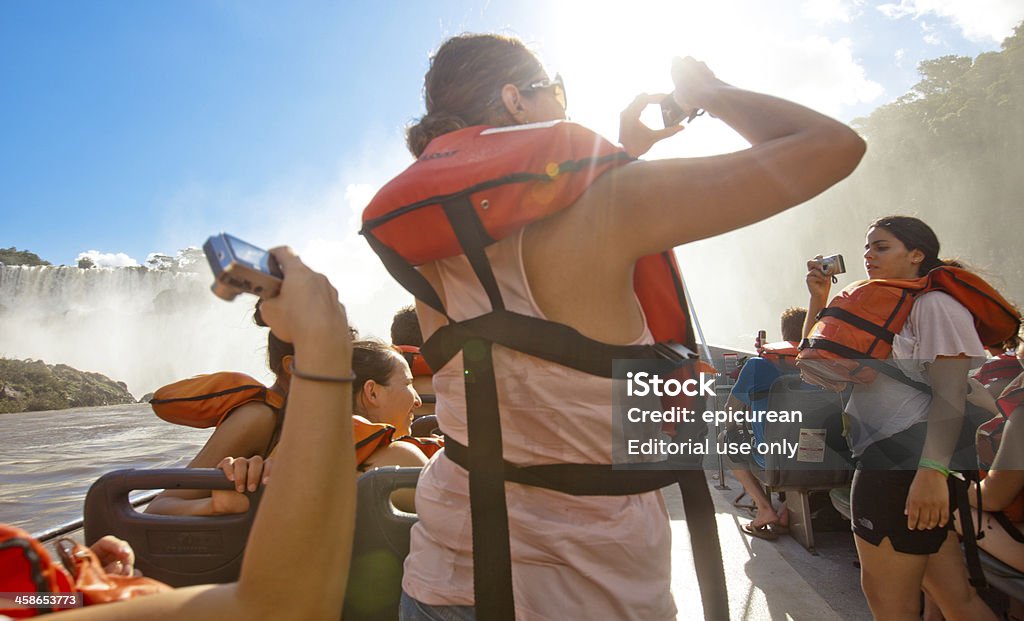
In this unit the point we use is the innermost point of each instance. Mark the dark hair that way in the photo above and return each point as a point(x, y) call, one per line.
point(462, 88)
point(405, 328)
point(372, 360)
point(916, 235)
point(791, 322)
point(276, 348)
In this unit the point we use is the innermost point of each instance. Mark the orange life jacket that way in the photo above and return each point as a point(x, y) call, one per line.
point(480, 184)
point(26, 567)
point(417, 363)
point(782, 353)
point(206, 400)
point(854, 334)
point(990, 436)
point(469, 189)
point(1002, 367)
point(371, 436)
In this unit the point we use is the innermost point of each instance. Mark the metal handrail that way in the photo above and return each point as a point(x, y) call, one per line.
point(50, 534)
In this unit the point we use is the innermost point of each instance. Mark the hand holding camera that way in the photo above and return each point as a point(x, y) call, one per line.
point(635, 137)
point(832, 266)
point(302, 308)
point(240, 267)
point(692, 79)
point(819, 282)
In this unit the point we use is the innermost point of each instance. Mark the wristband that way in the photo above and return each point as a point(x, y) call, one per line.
point(931, 464)
point(320, 378)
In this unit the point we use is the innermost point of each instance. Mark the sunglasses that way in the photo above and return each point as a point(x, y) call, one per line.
point(557, 84)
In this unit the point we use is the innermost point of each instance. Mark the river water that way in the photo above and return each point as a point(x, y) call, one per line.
point(49, 459)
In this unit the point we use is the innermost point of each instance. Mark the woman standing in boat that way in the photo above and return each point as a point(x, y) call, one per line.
point(582, 557)
point(901, 517)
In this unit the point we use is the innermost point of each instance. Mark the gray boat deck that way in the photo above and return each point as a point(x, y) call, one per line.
point(776, 580)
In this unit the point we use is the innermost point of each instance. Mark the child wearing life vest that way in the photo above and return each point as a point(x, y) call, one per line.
point(904, 437)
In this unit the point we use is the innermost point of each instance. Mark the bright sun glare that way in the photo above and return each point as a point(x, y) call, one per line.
point(607, 57)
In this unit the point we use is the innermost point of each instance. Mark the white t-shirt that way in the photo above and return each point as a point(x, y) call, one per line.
point(938, 326)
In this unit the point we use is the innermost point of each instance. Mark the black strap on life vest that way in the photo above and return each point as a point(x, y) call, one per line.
point(970, 535)
point(1007, 525)
point(488, 471)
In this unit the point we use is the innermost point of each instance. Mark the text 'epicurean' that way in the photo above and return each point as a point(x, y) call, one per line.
point(643, 383)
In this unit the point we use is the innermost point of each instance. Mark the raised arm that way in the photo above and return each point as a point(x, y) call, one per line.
point(296, 561)
point(795, 154)
point(245, 433)
point(1006, 478)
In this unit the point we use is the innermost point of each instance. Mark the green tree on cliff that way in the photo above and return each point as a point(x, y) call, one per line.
point(13, 256)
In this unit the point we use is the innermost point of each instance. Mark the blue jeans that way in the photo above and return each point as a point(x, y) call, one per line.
point(412, 610)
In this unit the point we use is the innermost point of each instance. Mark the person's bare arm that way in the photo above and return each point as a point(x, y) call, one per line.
point(296, 561)
point(928, 499)
point(246, 432)
point(399, 454)
point(796, 153)
point(818, 286)
point(1006, 478)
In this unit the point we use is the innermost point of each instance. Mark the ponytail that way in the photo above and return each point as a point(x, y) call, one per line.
point(430, 126)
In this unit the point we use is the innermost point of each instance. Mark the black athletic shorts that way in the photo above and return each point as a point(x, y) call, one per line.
point(877, 501)
point(881, 484)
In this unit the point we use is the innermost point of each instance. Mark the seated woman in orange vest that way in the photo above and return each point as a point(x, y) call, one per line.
point(383, 401)
point(1002, 489)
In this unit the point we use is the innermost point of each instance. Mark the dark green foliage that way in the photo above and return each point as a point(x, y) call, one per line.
point(951, 151)
point(13, 256)
point(31, 385)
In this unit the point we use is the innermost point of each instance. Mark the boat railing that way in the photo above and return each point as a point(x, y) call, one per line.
point(51, 534)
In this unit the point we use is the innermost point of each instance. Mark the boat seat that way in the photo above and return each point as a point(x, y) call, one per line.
point(178, 550)
point(188, 550)
point(822, 461)
point(380, 547)
point(1001, 576)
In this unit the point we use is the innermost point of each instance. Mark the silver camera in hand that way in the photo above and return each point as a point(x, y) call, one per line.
point(833, 265)
point(240, 267)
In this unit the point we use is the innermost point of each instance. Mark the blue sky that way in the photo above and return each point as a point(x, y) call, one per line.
point(135, 127)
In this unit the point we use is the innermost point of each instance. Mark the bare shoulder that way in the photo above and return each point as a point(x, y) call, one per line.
point(397, 454)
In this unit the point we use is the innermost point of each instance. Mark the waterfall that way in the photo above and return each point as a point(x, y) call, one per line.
point(142, 326)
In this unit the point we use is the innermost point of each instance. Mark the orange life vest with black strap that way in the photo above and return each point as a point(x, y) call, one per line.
point(27, 568)
point(371, 436)
point(473, 187)
point(207, 400)
point(989, 438)
point(417, 364)
point(854, 334)
point(782, 353)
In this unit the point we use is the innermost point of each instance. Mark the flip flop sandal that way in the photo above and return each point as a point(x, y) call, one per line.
point(779, 529)
point(761, 532)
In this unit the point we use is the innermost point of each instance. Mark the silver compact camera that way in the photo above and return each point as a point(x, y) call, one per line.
point(240, 267)
point(833, 265)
